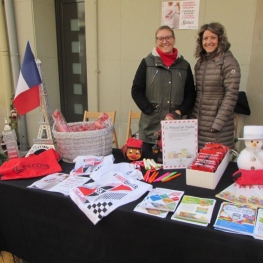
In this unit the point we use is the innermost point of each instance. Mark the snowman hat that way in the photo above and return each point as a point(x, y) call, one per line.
point(252, 133)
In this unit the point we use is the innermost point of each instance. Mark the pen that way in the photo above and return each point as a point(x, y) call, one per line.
point(150, 177)
point(146, 165)
point(155, 174)
point(169, 175)
point(170, 178)
point(161, 177)
point(146, 175)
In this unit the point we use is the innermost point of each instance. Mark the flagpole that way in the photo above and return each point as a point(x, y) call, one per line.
point(12, 37)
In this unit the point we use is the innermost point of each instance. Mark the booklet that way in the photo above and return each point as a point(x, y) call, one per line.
point(195, 210)
point(162, 199)
point(236, 218)
point(150, 211)
point(258, 232)
point(228, 194)
point(59, 182)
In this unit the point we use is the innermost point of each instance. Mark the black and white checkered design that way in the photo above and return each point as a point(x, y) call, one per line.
point(100, 190)
point(99, 208)
point(114, 196)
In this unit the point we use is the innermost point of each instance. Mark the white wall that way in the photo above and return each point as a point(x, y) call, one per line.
point(126, 30)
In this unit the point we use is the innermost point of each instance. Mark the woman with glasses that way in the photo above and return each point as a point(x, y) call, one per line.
point(217, 75)
point(163, 84)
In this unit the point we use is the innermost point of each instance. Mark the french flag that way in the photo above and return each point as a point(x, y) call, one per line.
point(27, 89)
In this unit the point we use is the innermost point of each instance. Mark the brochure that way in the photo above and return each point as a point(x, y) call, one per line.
point(236, 218)
point(194, 210)
point(162, 199)
point(249, 194)
point(59, 182)
point(150, 211)
point(258, 232)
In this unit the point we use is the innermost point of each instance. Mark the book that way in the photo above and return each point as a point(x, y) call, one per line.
point(236, 218)
point(195, 210)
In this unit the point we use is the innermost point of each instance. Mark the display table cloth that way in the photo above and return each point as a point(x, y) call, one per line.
point(46, 227)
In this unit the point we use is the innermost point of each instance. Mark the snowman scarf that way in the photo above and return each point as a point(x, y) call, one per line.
point(254, 153)
point(248, 177)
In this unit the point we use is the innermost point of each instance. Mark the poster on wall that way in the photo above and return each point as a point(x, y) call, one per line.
point(179, 143)
point(181, 14)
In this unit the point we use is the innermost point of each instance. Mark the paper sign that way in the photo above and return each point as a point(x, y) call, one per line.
point(179, 143)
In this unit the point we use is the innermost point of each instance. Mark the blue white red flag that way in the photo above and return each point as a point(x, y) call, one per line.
point(27, 89)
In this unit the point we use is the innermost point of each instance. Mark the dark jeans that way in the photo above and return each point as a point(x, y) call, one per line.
point(148, 152)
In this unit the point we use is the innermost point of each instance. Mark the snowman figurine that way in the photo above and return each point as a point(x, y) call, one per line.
point(251, 158)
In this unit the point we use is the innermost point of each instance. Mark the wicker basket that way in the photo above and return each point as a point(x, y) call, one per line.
point(73, 144)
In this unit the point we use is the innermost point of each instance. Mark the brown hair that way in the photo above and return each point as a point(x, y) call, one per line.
point(164, 27)
point(219, 30)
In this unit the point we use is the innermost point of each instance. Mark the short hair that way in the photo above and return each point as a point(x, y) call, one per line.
point(219, 30)
point(164, 27)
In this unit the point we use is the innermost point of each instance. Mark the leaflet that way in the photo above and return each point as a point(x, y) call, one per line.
point(194, 210)
point(258, 232)
point(150, 211)
point(162, 199)
point(245, 194)
point(236, 218)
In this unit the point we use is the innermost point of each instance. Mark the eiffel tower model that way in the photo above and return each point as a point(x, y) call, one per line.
point(44, 140)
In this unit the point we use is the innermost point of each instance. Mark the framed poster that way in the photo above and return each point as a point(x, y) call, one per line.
point(179, 143)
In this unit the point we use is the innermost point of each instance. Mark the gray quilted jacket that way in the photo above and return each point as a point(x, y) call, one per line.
point(217, 85)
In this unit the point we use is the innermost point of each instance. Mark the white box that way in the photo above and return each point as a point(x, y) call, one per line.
point(206, 179)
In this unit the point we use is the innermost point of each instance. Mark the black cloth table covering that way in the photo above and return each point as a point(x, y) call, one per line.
point(40, 226)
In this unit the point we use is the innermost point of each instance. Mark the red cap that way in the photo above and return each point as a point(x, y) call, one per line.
point(134, 143)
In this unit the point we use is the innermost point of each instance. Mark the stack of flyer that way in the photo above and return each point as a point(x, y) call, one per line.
point(236, 218)
point(159, 202)
point(243, 194)
point(258, 233)
point(195, 210)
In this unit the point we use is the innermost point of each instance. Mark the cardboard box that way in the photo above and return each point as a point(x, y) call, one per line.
point(206, 179)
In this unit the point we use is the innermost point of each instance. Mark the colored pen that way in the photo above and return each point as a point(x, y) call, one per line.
point(150, 177)
point(171, 178)
point(155, 174)
point(146, 165)
point(169, 175)
point(152, 163)
point(146, 175)
point(161, 177)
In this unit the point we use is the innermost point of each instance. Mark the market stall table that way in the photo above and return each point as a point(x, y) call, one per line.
point(40, 226)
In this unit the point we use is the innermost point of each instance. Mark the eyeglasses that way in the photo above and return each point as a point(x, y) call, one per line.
point(167, 38)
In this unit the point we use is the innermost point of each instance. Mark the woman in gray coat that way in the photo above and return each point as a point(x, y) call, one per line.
point(217, 75)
